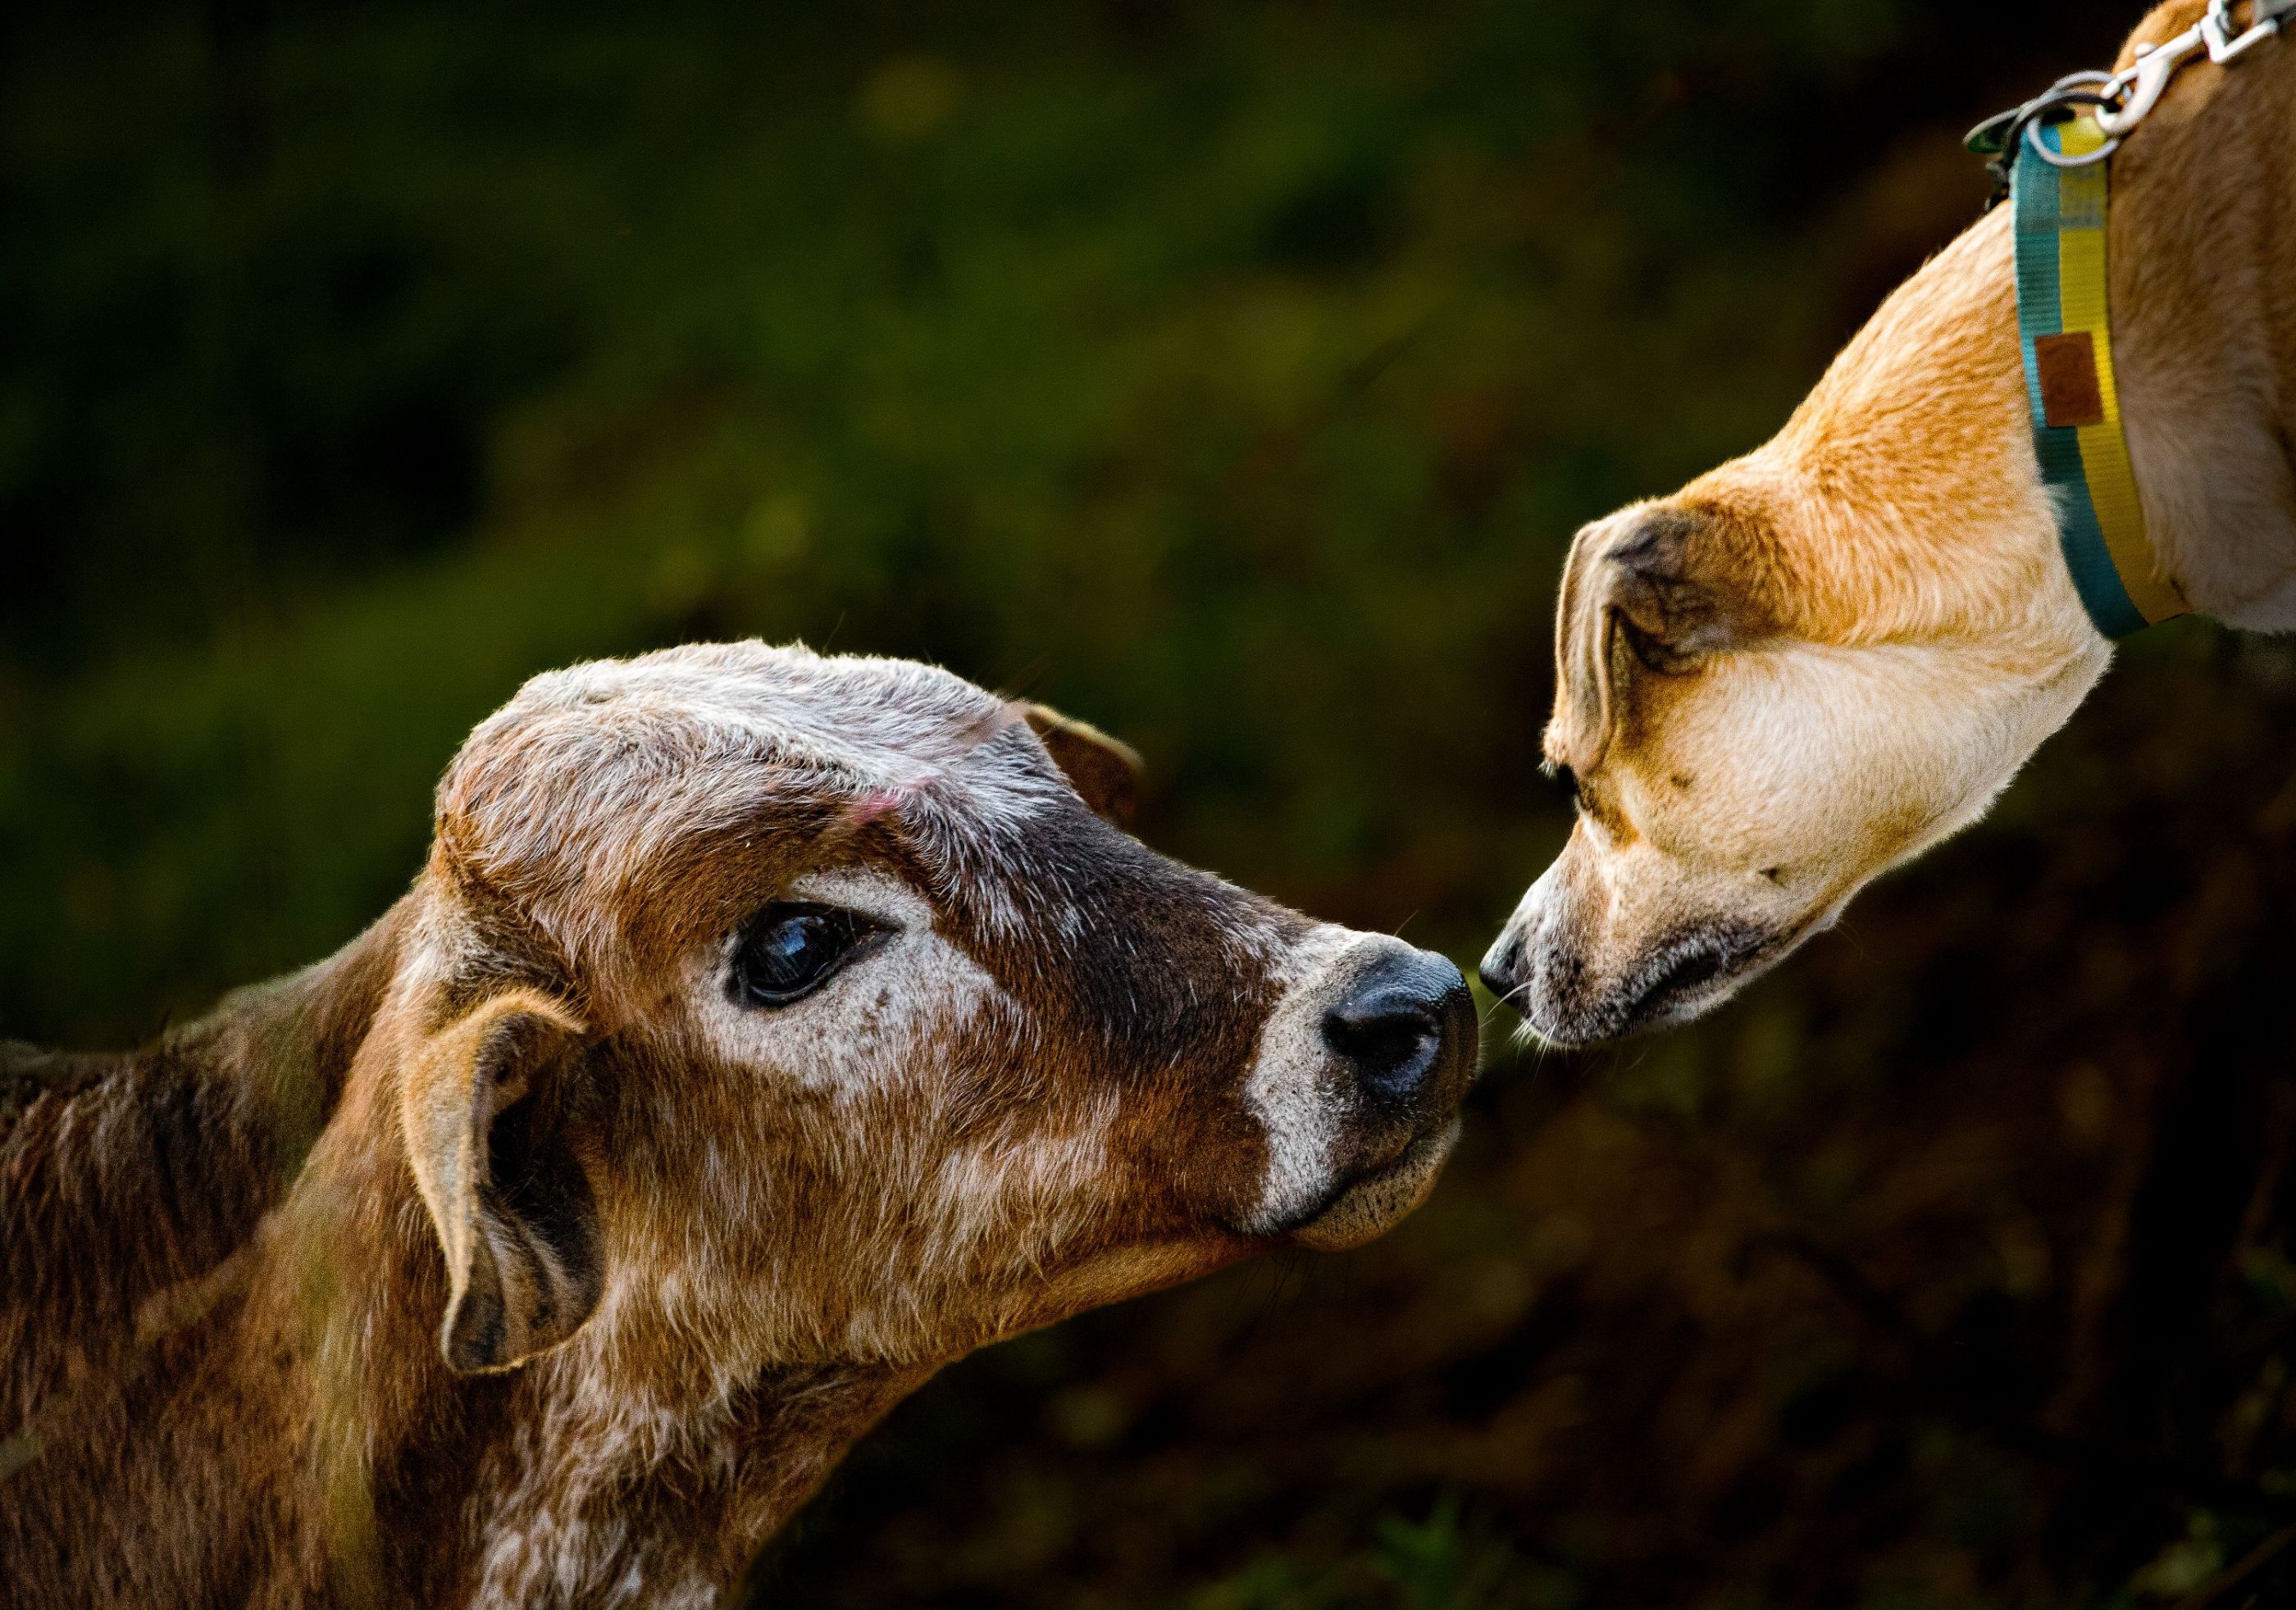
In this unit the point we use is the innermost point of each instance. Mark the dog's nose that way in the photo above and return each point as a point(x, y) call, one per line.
point(1501, 970)
point(1406, 1028)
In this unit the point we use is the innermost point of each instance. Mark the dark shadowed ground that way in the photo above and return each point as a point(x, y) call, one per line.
point(1232, 376)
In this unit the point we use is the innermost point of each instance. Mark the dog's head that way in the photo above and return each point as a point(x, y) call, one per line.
point(1760, 705)
point(779, 1008)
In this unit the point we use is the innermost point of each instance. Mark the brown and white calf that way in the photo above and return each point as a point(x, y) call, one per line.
point(764, 1032)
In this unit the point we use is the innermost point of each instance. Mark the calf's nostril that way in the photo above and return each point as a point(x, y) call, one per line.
point(1389, 1049)
point(1394, 1027)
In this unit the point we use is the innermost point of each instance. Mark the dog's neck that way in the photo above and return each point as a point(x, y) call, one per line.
point(2204, 319)
point(224, 1379)
point(1904, 490)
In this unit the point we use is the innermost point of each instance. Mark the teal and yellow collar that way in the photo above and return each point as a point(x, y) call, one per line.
point(2064, 326)
point(2054, 157)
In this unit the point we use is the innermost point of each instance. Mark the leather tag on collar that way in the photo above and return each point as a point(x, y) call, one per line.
point(2071, 396)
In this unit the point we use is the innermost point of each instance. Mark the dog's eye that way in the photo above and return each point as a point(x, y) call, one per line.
point(790, 948)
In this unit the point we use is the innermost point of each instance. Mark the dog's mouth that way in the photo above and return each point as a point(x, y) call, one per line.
point(1681, 986)
point(1680, 982)
point(1375, 1202)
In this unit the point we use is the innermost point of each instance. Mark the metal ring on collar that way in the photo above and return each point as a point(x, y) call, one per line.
point(2057, 159)
point(2092, 89)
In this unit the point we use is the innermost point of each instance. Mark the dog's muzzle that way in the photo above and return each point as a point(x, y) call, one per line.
point(1567, 1001)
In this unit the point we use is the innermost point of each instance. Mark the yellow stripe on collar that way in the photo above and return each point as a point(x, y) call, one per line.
point(2065, 329)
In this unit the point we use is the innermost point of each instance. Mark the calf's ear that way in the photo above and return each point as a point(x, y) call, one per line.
point(1106, 771)
point(1668, 584)
point(513, 1213)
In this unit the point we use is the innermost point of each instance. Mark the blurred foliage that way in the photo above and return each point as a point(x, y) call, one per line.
point(1231, 375)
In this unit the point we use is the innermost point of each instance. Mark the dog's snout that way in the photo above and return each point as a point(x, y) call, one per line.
point(1501, 970)
point(1406, 1028)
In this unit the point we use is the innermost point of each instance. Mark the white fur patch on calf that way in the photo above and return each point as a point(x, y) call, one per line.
point(1293, 1084)
point(568, 792)
point(870, 1022)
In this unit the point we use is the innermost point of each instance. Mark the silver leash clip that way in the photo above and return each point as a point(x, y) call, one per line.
point(2224, 45)
point(2120, 100)
point(2143, 85)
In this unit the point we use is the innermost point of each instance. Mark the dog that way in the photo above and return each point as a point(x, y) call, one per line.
point(763, 1032)
point(1818, 661)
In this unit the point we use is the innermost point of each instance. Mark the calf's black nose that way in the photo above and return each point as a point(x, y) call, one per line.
point(1406, 1028)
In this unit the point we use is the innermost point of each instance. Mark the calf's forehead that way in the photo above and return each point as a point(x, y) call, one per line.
point(593, 778)
point(879, 720)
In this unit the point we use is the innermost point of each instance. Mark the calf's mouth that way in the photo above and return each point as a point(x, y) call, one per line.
point(1361, 1070)
point(1375, 1201)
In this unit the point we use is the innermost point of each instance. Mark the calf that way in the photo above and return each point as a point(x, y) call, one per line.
point(1816, 662)
point(764, 1032)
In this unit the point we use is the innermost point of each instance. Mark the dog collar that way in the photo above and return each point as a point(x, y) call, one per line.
point(2051, 156)
point(2065, 327)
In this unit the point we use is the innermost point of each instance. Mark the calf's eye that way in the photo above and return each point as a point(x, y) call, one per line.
point(792, 948)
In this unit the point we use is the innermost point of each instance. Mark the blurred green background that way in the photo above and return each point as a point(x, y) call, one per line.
point(1231, 375)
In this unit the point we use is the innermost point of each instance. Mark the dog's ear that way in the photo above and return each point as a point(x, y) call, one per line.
point(1655, 582)
point(1106, 771)
point(513, 1213)
point(1669, 572)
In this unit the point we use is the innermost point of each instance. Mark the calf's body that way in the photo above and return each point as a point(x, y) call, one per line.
point(764, 1032)
point(1816, 662)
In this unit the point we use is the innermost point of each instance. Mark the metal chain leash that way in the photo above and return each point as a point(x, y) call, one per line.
point(2122, 100)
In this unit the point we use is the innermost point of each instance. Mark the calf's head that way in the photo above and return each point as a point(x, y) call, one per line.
point(768, 1008)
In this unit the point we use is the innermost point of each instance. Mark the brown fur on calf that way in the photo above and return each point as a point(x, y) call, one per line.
point(524, 1253)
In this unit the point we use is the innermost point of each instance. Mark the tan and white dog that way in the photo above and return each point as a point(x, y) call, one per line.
point(764, 1032)
point(1818, 661)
